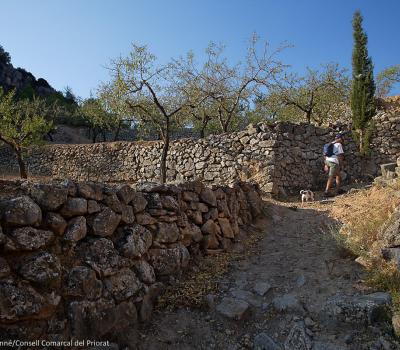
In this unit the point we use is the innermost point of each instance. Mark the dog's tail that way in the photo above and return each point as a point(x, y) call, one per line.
point(302, 191)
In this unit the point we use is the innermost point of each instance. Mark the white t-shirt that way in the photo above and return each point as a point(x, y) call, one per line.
point(337, 150)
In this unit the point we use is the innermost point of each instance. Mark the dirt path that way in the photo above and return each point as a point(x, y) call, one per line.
point(278, 294)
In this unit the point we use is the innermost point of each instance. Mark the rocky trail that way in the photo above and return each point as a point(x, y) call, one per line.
point(297, 291)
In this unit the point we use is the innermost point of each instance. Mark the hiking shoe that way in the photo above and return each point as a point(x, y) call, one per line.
point(340, 191)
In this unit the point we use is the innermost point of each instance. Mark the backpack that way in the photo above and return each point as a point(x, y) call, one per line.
point(328, 149)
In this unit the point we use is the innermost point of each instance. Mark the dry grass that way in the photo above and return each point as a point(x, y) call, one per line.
point(362, 214)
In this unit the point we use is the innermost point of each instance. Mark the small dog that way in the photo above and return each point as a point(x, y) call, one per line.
point(306, 195)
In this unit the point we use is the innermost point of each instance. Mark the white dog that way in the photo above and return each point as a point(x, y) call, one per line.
point(306, 195)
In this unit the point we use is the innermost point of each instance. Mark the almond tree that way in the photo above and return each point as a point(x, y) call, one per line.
point(387, 79)
point(313, 98)
point(22, 124)
point(233, 86)
point(154, 93)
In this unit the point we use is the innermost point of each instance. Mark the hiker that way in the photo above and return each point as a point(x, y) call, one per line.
point(334, 157)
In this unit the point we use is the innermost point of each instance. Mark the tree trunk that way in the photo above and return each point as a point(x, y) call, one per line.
point(164, 155)
point(21, 164)
point(202, 132)
point(94, 136)
point(361, 141)
point(308, 116)
point(50, 136)
point(118, 130)
point(203, 128)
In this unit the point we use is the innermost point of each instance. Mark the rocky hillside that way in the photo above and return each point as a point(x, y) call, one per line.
point(21, 79)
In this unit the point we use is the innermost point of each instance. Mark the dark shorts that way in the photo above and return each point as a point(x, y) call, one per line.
point(333, 168)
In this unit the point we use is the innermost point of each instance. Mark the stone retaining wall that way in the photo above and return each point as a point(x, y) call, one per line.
point(85, 261)
point(279, 157)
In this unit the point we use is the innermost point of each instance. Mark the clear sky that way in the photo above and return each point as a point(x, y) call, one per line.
point(69, 42)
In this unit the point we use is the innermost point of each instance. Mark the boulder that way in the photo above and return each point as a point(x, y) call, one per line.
point(153, 200)
point(93, 206)
point(139, 203)
point(195, 216)
point(76, 229)
point(127, 216)
point(90, 191)
point(29, 238)
point(20, 301)
point(207, 196)
point(209, 227)
point(42, 269)
point(170, 203)
point(169, 261)
point(234, 309)
point(20, 211)
point(4, 268)
point(71, 187)
point(167, 232)
point(189, 196)
point(191, 233)
point(123, 285)
point(145, 219)
point(82, 282)
point(144, 271)
point(211, 214)
point(212, 241)
point(49, 197)
point(113, 202)
point(104, 223)
point(101, 255)
point(126, 193)
point(55, 222)
point(134, 241)
point(359, 309)
point(74, 207)
point(226, 227)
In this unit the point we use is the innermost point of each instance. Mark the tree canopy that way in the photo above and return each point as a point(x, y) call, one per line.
point(22, 124)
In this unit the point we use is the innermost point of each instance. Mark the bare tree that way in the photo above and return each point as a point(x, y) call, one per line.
point(234, 86)
point(153, 92)
point(315, 96)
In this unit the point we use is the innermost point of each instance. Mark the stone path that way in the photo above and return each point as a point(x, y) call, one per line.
point(298, 292)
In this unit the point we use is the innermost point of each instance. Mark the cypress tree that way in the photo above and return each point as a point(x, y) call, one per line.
point(363, 85)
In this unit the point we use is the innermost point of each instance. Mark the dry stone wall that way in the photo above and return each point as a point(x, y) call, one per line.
point(279, 157)
point(87, 261)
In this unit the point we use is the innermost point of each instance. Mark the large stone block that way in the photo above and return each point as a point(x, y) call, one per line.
point(104, 223)
point(20, 211)
point(49, 197)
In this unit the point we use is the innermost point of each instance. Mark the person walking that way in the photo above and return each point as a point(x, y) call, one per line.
point(333, 159)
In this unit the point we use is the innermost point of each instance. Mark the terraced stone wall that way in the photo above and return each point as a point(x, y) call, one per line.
point(87, 261)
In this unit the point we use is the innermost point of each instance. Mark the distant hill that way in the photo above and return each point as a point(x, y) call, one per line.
point(23, 81)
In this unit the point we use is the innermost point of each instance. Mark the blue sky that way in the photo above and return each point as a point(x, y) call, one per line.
point(69, 42)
